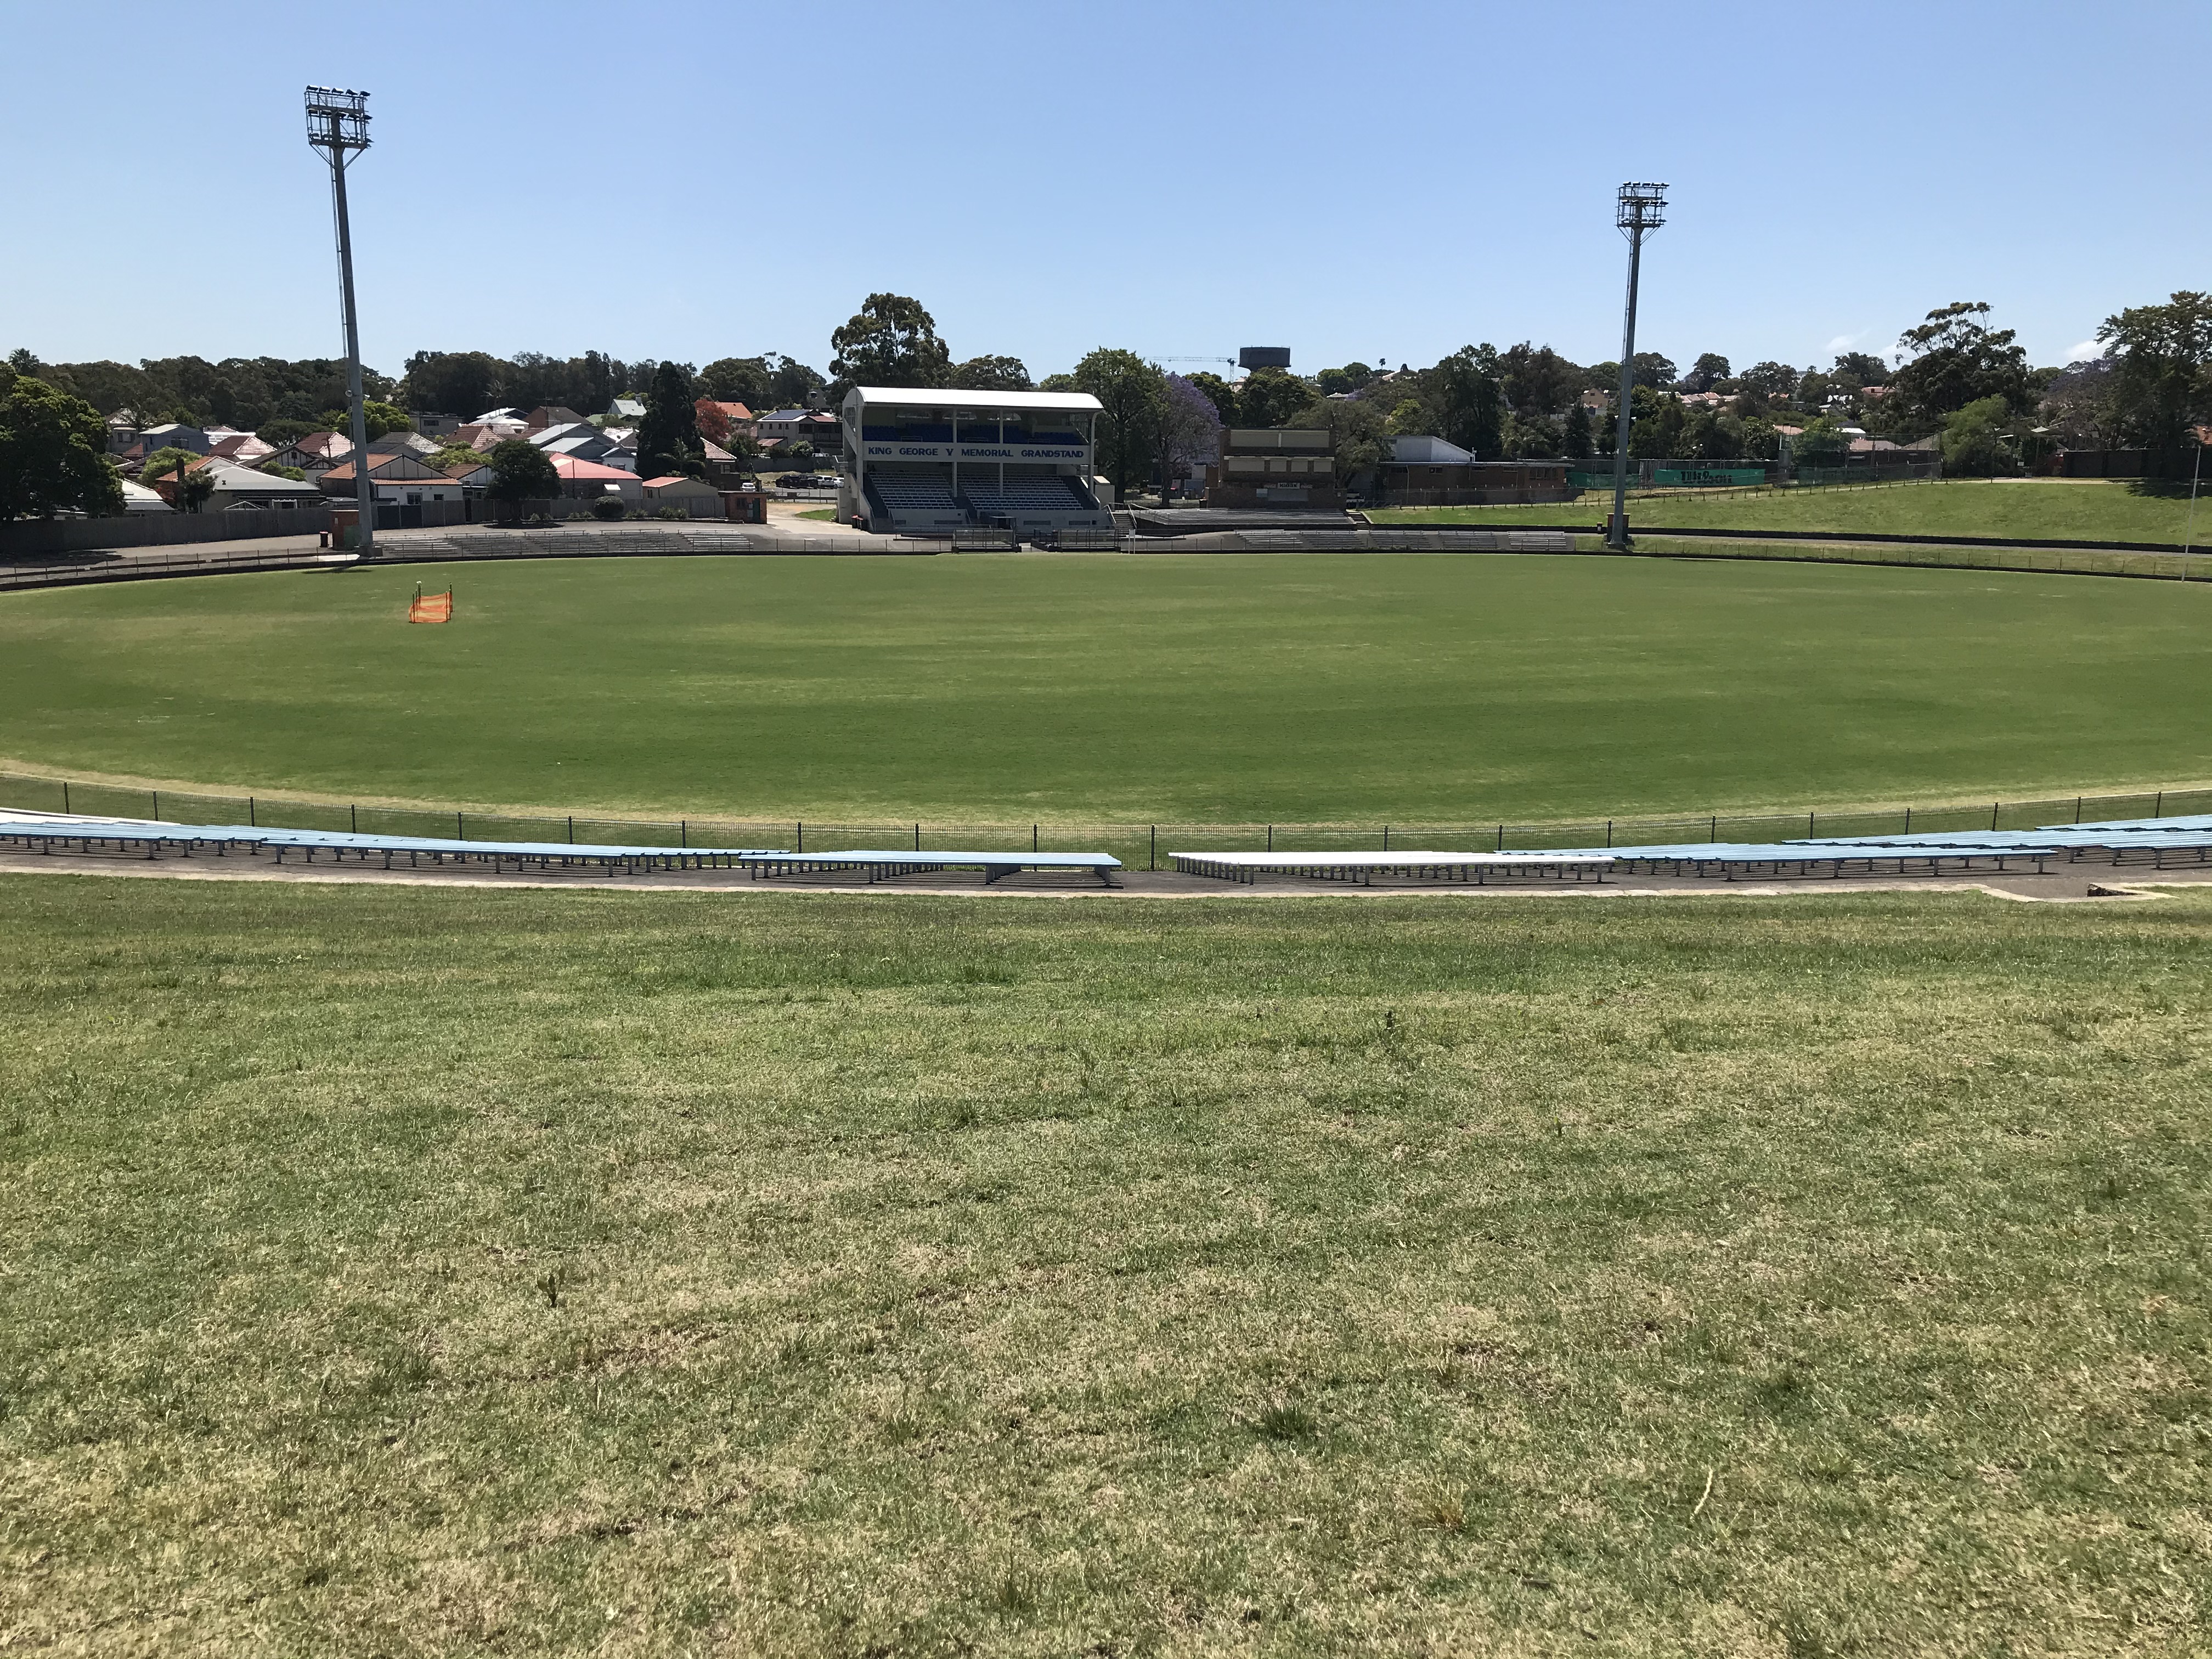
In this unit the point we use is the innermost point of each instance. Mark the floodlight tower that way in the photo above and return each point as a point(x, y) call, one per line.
point(337, 125)
point(1641, 208)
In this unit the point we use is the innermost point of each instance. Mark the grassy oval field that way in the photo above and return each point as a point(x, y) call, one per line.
point(1309, 687)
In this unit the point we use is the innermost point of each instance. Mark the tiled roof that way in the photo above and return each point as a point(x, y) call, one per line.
point(569, 467)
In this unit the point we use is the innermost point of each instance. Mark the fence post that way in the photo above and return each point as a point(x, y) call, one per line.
point(1501, 837)
point(157, 803)
point(64, 794)
point(353, 812)
point(1386, 837)
point(917, 838)
point(1908, 820)
point(1808, 826)
point(2159, 810)
point(2077, 809)
point(683, 832)
point(1270, 838)
point(1155, 862)
point(802, 835)
point(1608, 832)
point(1713, 831)
point(572, 829)
point(1033, 840)
point(251, 822)
point(1993, 815)
point(459, 833)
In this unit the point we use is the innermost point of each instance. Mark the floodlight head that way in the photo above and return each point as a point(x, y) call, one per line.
point(337, 120)
point(1641, 207)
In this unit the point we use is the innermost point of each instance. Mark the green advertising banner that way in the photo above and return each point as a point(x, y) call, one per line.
point(1708, 477)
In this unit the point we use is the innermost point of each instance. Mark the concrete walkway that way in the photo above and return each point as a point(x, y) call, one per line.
point(2076, 883)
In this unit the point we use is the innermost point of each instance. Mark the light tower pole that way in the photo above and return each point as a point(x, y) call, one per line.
point(337, 125)
point(1642, 209)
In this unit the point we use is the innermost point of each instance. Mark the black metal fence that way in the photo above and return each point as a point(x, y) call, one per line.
point(1140, 846)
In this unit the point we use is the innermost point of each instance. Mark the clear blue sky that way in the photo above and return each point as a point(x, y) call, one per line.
point(1386, 181)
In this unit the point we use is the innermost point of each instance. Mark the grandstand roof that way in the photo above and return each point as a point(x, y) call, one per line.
point(939, 397)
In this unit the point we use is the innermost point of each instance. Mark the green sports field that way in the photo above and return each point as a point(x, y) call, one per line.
point(2086, 509)
point(1352, 688)
point(401, 1272)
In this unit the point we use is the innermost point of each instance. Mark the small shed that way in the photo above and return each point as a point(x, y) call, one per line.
point(689, 496)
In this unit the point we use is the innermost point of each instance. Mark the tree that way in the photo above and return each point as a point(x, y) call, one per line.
point(1358, 438)
point(668, 438)
point(1652, 370)
point(1409, 418)
point(2079, 407)
point(738, 380)
point(1578, 441)
point(792, 383)
point(464, 383)
point(1709, 367)
point(992, 374)
point(891, 341)
point(521, 471)
point(1217, 392)
point(1537, 381)
point(179, 468)
point(1973, 446)
point(1707, 436)
point(1270, 396)
point(1770, 379)
point(1822, 443)
point(1133, 395)
point(53, 453)
point(1956, 360)
point(1342, 382)
point(453, 455)
point(377, 419)
point(2161, 382)
point(1469, 403)
point(1656, 423)
point(1856, 370)
point(1530, 437)
point(1190, 426)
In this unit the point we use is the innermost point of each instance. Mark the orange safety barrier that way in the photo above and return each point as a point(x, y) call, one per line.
point(433, 608)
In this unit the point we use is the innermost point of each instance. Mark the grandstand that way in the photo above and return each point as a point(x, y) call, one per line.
point(927, 461)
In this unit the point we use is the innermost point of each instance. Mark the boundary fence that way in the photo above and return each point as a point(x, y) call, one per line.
point(1140, 846)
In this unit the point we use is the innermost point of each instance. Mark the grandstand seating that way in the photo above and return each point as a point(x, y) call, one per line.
point(985, 499)
point(912, 492)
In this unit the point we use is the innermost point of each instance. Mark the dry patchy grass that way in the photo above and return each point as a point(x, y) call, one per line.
point(406, 1272)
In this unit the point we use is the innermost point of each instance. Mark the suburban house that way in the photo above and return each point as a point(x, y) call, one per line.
point(399, 478)
point(401, 443)
point(626, 408)
point(237, 489)
point(314, 454)
point(551, 414)
point(589, 481)
point(173, 434)
point(579, 439)
point(136, 498)
point(788, 426)
point(688, 497)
